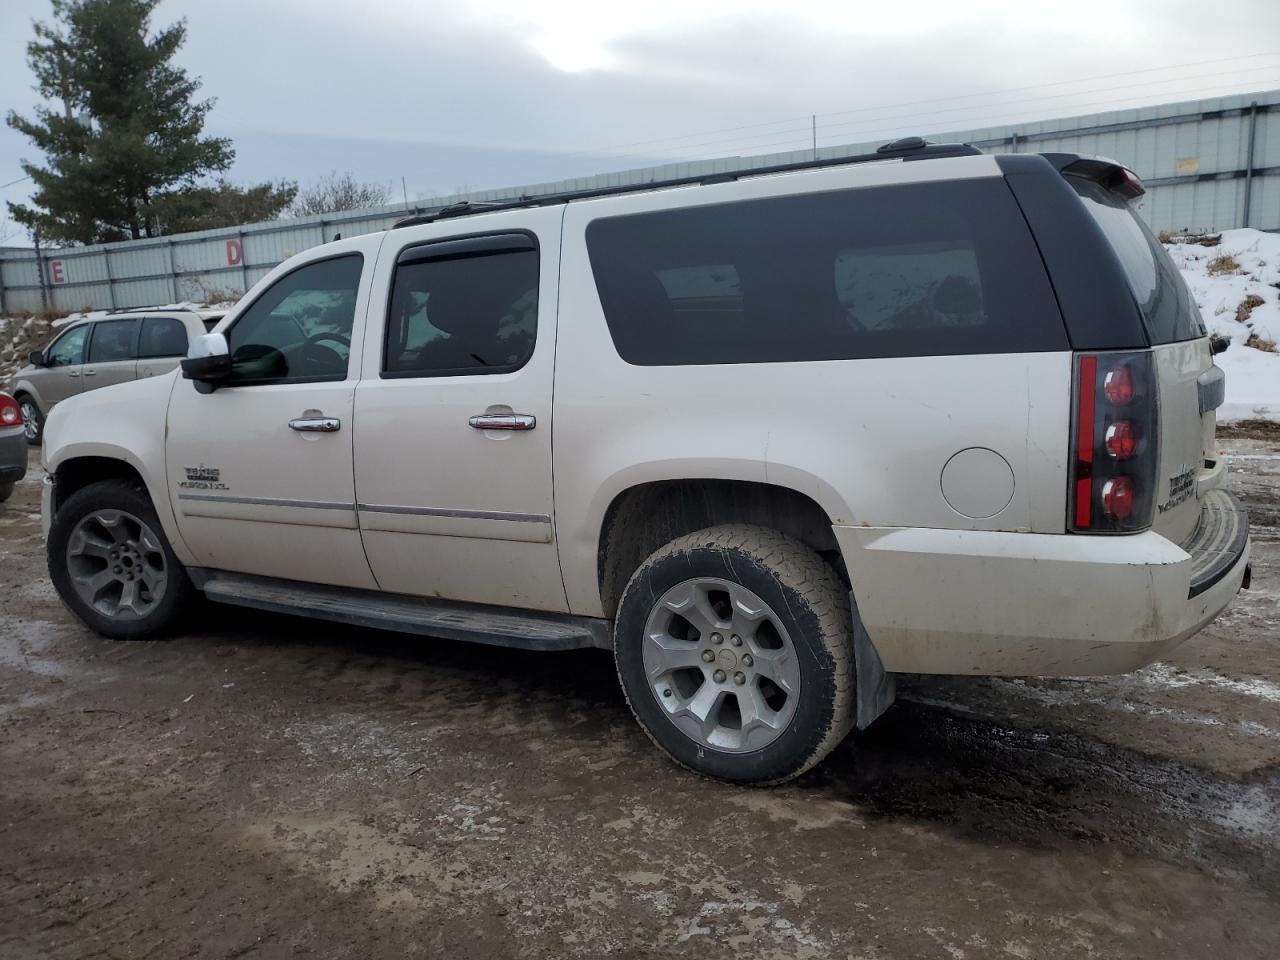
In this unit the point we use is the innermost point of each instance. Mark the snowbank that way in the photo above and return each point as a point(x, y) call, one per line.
point(1236, 282)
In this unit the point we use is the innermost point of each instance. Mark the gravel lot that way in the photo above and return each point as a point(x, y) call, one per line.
point(270, 787)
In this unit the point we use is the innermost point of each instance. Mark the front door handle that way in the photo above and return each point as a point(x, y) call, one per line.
point(504, 421)
point(316, 424)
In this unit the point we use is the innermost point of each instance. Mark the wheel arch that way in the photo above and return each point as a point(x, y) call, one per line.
point(76, 473)
point(75, 466)
point(24, 388)
point(644, 516)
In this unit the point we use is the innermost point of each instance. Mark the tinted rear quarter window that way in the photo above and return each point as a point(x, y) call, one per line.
point(162, 337)
point(1168, 311)
point(909, 270)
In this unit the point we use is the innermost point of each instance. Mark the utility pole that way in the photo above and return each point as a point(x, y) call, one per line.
point(44, 287)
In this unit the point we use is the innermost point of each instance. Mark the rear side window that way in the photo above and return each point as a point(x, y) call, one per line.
point(112, 340)
point(1167, 309)
point(465, 315)
point(162, 337)
point(911, 270)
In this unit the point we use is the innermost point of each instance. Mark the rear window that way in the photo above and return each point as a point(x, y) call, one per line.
point(911, 270)
point(1168, 311)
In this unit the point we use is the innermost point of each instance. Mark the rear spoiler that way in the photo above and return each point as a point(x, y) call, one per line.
point(1110, 174)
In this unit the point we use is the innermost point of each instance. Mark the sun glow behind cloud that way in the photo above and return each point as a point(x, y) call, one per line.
point(575, 36)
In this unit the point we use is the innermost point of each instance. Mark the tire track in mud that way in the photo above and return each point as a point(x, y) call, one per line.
point(1054, 788)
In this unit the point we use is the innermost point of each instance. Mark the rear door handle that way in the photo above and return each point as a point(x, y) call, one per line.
point(316, 424)
point(504, 421)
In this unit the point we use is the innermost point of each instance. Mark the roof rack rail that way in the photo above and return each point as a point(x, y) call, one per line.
point(167, 307)
point(908, 148)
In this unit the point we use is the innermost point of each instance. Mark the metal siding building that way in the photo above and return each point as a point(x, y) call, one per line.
point(1208, 165)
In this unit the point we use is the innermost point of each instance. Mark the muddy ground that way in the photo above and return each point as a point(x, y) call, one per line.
point(270, 787)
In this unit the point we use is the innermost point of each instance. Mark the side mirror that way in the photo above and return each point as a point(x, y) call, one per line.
point(37, 358)
point(1218, 344)
point(208, 362)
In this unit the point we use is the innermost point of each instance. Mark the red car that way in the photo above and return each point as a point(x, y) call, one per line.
point(13, 446)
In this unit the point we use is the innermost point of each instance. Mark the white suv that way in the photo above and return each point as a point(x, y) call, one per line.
point(771, 439)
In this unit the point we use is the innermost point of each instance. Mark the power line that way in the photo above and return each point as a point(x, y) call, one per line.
point(801, 140)
point(674, 139)
point(800, 131)
point(1058, 83)
point(1056, 96)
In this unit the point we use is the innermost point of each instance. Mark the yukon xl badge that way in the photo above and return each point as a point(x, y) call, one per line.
point(202, 478)
point(1181, 485)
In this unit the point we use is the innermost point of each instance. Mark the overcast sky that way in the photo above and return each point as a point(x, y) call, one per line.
point(452, 94)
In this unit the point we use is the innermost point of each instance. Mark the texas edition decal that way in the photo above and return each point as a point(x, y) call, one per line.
point(202, 478)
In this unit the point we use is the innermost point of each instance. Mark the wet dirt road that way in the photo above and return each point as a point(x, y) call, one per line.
point(269, 787)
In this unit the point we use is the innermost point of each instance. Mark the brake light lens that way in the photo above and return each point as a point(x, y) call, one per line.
point(1121, 440)
point(10, 412)
point(1117, 497)
point(1115, 442)
point(1118, 386)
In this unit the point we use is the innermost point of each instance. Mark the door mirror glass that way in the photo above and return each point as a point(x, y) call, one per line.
point(208, 362)
point(37, 358)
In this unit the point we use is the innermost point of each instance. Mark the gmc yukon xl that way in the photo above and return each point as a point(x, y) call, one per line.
point(771, 437)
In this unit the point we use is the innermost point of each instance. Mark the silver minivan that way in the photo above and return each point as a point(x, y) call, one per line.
point(99, 351)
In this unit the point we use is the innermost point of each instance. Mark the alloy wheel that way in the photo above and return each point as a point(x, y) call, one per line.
point(117, 564)
point(721, 665)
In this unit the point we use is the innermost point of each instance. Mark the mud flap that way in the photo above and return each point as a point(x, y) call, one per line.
point(876, 689)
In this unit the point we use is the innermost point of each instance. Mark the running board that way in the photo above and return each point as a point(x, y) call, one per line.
point(499, 626)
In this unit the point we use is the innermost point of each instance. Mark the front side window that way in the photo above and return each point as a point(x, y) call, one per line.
point(469, 315)
point(930, 269)
point(162, 337)
point(299, 330)
point(68, 349)
point(113, 340)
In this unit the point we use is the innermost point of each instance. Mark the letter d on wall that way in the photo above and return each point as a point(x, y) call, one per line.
point(235, 253)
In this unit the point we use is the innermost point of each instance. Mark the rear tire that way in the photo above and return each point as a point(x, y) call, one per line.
point(32, 419)
point(734, 647)
point(113, 567)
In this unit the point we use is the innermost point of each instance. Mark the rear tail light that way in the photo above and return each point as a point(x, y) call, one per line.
point(10, 412)
point(1115, 443)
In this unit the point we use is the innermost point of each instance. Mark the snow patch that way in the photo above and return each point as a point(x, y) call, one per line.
point(1253, 271)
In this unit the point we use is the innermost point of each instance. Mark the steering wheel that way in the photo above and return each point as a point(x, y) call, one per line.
point(313, 353)
point(327, 335)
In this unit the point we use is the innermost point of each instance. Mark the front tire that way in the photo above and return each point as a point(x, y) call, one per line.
point(734, 647)
point(32, 419)
point(113, 567)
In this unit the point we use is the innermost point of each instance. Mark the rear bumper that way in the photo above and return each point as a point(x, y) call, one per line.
point(1024, 604)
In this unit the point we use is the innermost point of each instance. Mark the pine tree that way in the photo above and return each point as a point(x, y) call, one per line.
point(125, 141)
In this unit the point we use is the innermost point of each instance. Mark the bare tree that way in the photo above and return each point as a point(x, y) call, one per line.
point(339, 191)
